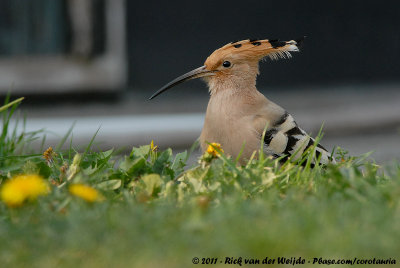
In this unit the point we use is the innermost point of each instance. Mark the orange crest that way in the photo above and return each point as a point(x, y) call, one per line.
point(252, 50)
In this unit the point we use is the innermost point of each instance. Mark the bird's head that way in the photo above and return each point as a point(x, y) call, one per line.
point(236, 62)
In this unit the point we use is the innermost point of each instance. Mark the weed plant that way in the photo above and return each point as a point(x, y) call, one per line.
point(154, 211)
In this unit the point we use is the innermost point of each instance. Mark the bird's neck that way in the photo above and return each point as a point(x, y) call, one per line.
point(234, 98)
point(232, 86)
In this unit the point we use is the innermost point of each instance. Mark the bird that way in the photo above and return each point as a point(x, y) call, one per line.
point(238, 116)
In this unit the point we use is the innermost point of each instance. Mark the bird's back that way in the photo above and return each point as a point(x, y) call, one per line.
point(238, 119)
point(286, 139)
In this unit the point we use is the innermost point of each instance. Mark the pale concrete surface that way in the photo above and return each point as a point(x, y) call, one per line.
point(359, 119)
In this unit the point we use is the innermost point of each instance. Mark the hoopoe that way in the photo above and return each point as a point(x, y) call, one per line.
point(237, 113)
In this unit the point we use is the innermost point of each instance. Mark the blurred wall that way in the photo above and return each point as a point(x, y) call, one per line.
point(53, 47)
point(347, 41)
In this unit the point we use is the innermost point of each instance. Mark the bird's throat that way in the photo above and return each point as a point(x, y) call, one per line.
point(231, 85)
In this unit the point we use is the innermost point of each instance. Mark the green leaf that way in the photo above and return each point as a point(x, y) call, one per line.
point(103, 158)
point(89, 170)
point(45, 170)
point(163, 160)
point(133, 167)
point(197, 185)
point(109, 185)
point(126, 164)
point(179, 163)
point(106, 154)
point(153, 183)
point(142, 151)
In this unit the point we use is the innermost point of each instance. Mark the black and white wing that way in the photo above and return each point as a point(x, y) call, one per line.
point(285, 139)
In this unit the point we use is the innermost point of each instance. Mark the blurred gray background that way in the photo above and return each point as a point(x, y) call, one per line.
point(96, 62)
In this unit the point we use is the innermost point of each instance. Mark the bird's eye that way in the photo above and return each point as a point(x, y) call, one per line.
point(226, 64)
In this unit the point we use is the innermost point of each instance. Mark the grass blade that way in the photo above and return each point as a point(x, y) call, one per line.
point(8, 105)
point(61, 143)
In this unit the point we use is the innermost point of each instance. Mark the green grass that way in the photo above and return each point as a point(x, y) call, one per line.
point(159, 213)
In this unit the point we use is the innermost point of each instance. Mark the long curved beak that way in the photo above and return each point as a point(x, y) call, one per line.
point(196, 73)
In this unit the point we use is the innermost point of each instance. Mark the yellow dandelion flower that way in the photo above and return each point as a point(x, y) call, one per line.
point(152, 147)
point(212, 149)
point(21, 188)
point(85, 192)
